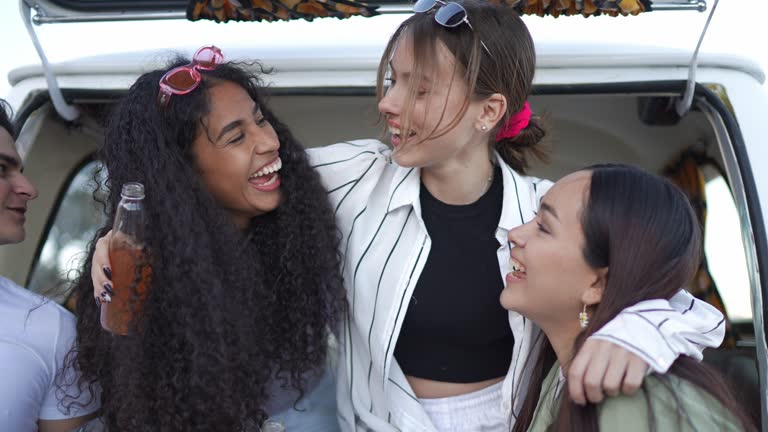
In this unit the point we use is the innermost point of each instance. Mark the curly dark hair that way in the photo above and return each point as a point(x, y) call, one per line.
point(227, 311)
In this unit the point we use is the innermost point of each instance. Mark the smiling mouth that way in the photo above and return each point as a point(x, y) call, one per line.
point(268, 169)
point(265, 180)
point(397, 133)
point(518, 269)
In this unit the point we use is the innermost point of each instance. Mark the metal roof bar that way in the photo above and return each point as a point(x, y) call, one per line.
point(41, 17)
point(683, 104)
point(698, 5)
point(65, 110)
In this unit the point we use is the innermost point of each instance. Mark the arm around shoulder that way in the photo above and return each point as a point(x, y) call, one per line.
point(684, 325)
point(346, 160)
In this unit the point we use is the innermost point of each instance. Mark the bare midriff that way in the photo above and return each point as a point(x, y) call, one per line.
point(429, 389)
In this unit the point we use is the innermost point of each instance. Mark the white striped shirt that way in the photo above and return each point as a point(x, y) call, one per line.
point(385, 246)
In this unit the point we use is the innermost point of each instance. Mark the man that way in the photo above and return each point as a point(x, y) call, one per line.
point(35, 333)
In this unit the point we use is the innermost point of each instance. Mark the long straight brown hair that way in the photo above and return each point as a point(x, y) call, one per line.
point(629, 206)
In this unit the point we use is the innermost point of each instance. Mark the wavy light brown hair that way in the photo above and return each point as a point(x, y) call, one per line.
point(507, 70)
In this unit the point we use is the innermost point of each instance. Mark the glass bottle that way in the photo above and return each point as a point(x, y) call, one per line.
point(131, 270)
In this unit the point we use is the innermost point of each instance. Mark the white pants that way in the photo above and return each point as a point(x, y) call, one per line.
point(478, 411)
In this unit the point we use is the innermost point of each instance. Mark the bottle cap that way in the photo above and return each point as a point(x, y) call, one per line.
point(133, 190)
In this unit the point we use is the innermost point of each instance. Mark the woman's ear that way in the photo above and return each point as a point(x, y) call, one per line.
point(594, 294)
point(494, 108)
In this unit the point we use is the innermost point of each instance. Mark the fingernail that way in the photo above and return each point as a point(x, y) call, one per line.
point(107, 298)
point(98, 301)
point(108, 287)
point(107, 272)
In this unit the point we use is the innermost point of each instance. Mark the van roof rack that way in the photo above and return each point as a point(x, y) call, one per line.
point(69, 11)
point(61, 11)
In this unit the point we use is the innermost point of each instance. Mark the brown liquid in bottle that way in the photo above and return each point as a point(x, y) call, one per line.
point(130, 289)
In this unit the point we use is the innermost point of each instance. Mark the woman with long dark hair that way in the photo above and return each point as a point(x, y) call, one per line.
point(245, 286)
point(605, 239)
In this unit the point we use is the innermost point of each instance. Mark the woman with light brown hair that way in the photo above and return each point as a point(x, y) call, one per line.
point(428, 346)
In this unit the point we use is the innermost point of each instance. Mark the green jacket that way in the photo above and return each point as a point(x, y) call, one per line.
point(694, 409)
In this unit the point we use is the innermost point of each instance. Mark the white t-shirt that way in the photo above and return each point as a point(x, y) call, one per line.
point(35, 336)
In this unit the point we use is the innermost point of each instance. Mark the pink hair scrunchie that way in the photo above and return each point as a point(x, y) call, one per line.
point(516, 123)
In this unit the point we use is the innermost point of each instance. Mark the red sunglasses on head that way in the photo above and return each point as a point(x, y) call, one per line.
point(184, 79)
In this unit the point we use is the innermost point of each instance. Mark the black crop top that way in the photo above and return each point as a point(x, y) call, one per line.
point(455, 329)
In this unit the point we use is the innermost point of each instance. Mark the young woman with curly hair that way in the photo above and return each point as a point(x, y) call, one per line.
point(245, 286)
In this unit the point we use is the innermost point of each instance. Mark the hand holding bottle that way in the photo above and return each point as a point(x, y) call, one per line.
point(127, 267)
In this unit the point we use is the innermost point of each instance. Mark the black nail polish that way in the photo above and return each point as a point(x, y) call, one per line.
point(107, 272)
point(103, 294)
point(108, 287)
point(98, 301)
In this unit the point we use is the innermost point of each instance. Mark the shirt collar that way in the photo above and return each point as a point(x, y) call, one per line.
point(518, 207)
point(404, 188)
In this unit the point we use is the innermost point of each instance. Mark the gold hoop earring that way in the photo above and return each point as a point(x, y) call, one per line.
point(584, 317)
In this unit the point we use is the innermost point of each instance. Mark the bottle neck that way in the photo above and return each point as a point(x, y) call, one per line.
point(132, 191)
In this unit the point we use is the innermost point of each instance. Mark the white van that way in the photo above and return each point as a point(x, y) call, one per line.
point(604, 99)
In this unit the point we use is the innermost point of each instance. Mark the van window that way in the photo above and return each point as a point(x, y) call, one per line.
point(724, 248)
point(71, 228)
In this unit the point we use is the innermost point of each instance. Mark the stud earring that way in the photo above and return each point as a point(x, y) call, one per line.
point(484, 128)
point(584, 317)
